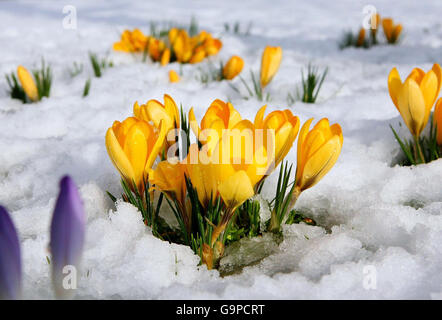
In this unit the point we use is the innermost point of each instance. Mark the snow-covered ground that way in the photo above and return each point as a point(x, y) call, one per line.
point(376, 219)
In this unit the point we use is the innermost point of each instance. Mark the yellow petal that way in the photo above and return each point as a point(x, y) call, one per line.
point(394, 85)
point(236, 189)
point(412, 106)
point(28, 83)
point(117, 156)
point(158, 146)
point(135, 148)
point(319, 164)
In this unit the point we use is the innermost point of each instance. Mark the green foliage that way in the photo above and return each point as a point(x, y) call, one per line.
point(236, 28)
point(209, 73)
point(87, 87)
point(351, 40)
point(246, 222)
point(310, 85)
point(15, 89)
point(98, 64)
point(281, 201)
point(295, 218)
point(257, 91)
point(43, 80)
point(421, 150)
point(75, 70)
point(148, 209)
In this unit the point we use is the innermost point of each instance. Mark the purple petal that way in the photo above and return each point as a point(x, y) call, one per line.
point(10, 261)
point(67, 230)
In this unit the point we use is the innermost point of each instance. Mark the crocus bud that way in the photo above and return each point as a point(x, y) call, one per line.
point(233, 67)
point(10, 261)
point(67, 237)
point(28, 83)
point(271, 59)
point(318, 151)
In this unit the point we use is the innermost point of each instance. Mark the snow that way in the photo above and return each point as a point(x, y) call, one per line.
point(371, 213)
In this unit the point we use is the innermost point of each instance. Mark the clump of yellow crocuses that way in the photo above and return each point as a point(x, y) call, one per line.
point(414, 99)
point(176, 45)
point(210, 189)
point(392, 33)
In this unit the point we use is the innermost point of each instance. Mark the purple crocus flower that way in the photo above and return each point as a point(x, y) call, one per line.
point(67, 236)
point(10, 259)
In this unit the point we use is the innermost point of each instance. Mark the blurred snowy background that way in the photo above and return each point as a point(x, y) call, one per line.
point(375, 219)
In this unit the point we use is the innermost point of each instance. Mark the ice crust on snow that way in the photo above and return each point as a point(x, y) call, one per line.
point(370, 212)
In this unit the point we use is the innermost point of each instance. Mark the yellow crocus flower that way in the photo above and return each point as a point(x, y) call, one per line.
point(155, 112)
point(133, 145)
point(271, 59)
point(173, 76)
point(198, 55)
point(169, 178)
point(220, 115)
point(28, 83)
point(233, 67)
point(182, 47)
point(165, 57)
point(415, 97)
point(318, 151)
point(285, 127)
point(212, 46)
point(391, 31)
point(437, 118)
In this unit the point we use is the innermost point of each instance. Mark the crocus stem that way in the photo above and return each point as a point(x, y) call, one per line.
point(275, 221)
point(295, 195)
point(418, 150)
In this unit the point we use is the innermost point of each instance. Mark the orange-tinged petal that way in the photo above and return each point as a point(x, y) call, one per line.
point(437, 118)
point(271, 59)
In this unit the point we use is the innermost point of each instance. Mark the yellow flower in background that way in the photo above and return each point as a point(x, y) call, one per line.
point(415, 98)
point(28, 83)
point(131, 41)
point(220, 115)
point(361, 38)
point(182, 47)
point(437, 118)
point(233, 67)
point(133, 145)
point(212, 46)
point(285, 127)
point(391, 31)
point(165, 57)
point(156, 112)
point(198, 55)
point(173, 76)
point(271, 59)
point(318, 151)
